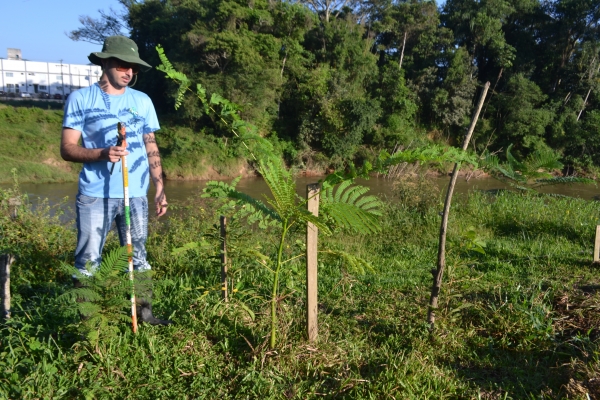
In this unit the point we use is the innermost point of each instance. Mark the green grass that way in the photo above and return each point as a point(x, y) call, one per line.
point(30, 138)
point(520, 321)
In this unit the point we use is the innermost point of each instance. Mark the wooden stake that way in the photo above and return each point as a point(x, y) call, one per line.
point(597, 245)
point(441, 263)
point(312, 329)
point(223, 221)
point(6, 261)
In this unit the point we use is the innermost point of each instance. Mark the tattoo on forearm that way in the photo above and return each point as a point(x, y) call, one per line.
point(157, 180)
point(149, 139)
point(155, 164)
point(153, 153)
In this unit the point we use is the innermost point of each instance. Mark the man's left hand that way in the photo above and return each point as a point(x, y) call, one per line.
point(160, 200)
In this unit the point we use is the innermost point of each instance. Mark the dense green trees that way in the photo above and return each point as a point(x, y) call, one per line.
point(331, 80)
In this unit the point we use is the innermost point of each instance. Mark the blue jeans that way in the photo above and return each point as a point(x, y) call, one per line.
point(94, 219)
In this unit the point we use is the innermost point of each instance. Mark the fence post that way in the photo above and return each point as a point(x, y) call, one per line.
point(312, 329)
point(6, 261)
point(597, 245)
point(223, 221)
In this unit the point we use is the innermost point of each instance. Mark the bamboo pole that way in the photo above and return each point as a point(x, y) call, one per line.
point(441, 262)
point(122, 136)
point(223, 221)
point(312, 232)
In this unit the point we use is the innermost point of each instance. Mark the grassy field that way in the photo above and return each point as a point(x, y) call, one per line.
point(30, 137)
point(518, 322)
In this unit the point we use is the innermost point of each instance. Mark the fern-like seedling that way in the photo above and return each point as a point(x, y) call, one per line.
point(102, 301)
point(533, 172)
point(346, 206)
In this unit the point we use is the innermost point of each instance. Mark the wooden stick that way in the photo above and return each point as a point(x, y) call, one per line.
point(312, 232)
point(223, 221)
point(6, 261)
point(441, 262)
point(597, 245)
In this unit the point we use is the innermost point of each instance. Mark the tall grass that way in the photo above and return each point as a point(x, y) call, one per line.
point(30, 138)
point(519, 321)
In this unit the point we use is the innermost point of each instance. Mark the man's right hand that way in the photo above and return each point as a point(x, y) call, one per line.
point(114, 153)
point(70, 150)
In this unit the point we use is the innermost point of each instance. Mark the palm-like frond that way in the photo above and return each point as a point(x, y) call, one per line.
point(513, 162)
point(180, 77)
point(491, 164)
point(427, 155)
point(282, 186)
point(217, 189)
point(536, 168)
point(113, 264)
point(352, 263)
point(349, 208)
point(257, 204)
point(306, 216)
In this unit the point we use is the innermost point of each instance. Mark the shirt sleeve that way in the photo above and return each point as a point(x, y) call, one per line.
point(150, 120)
point(74, 116)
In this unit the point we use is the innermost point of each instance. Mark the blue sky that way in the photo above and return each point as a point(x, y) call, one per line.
point(38, 27)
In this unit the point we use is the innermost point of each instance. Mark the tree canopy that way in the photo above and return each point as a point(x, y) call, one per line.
point(331, 81)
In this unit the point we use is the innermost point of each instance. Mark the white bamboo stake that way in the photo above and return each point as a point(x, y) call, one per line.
point(122, 134)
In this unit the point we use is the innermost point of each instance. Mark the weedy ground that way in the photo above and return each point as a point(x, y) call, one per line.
point(519, 321)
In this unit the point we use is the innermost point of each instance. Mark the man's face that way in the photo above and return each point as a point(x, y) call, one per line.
point(119, 73)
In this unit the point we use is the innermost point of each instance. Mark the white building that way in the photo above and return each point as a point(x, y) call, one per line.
point(18, 75)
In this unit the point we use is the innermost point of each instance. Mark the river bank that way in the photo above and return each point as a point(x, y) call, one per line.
point(31, 137)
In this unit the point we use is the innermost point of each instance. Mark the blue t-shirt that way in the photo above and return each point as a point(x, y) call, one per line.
point(95, 114)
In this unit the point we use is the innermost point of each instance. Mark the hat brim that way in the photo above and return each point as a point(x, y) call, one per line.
point(96, 58)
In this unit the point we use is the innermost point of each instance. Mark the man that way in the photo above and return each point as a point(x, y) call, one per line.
point(92, 114)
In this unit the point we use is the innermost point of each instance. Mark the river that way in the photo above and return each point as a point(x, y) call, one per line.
point(180, 191)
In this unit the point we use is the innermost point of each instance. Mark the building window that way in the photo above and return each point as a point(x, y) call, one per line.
point(43, 87)
point(9, 75)
point(31, 73)
point(10, 85)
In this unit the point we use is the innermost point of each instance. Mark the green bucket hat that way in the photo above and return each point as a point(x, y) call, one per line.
point(122, 48)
